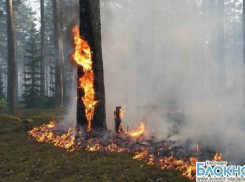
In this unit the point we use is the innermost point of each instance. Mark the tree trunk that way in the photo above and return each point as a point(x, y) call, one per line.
point(43, 91)
point(11, 96)
point(59, 58)
point(90, 28)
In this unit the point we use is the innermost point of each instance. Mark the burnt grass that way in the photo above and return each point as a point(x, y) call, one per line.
point(24, 159)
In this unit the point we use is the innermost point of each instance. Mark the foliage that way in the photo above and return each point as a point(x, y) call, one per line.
point(3, 104)
point(32, 97)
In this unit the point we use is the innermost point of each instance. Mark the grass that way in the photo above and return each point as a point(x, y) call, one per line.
point(23, 159)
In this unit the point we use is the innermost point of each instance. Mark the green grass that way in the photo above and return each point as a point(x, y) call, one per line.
point(23, 159)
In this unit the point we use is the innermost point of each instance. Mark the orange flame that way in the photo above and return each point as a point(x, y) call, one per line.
point(45, 134)
point(94, 148)
point(218, 157)
point(141, 155)
point(114, 148)
point(83, 57)
point(122, 112)
point(136, 133)
point(188, 168)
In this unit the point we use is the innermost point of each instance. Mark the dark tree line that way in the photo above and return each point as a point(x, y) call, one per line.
point(14, 53)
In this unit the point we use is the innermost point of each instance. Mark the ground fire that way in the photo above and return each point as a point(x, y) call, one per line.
point(152, 152)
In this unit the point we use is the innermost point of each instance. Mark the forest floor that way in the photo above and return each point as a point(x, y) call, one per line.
point(23, 159)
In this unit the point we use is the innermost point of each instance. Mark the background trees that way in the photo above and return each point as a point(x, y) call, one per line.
point(32, 95)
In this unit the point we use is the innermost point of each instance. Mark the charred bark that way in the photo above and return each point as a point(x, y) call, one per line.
point(118, 120)
point(11, 96)
point(90, 28)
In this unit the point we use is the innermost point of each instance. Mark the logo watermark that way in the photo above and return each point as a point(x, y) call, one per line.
point(219, 171)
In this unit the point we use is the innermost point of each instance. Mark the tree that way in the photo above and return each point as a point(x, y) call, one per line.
point(23, 20)
point(11, 97)
point(43, 91)
point(90, 27)
point(32, 93)
point(59, 57)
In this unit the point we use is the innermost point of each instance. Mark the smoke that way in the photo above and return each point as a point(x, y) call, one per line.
point(70, 11)
point(162, 59)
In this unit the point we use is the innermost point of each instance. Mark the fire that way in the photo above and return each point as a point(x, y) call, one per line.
point(48, 133)
point(114, 148)
point(188, 168)
point(141, 155)
point(218, 157)
point(151, 160)
point(83, 57)
point(45, 133)
point(136, 133)
point(122, 112)
point(94, 148)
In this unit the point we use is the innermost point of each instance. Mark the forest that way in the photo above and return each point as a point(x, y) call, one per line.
point(173, 69)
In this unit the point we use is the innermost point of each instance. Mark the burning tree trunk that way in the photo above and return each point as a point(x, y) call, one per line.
point(90, 28)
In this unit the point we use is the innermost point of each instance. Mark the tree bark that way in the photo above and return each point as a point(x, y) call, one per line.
point(90, 28)
point(11, 95)
point(59, 58)
point(43, 87)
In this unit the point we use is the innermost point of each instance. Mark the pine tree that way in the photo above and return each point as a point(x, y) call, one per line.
point(31, 96)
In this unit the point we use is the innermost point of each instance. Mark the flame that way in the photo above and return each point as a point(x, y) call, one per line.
point(45, 133)
point(218, 157)
point(114, 148)
point(141, 155)
point(151, 160)
point(83, 57)
point(136, 133)
point(122, 112)
point(48, 133)
point(94, 148)
point(188, 168)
